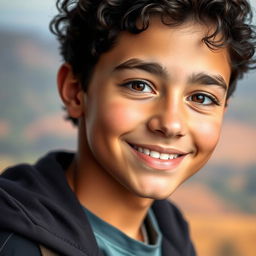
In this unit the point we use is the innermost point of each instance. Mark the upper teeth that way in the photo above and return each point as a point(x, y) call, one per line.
point(156, 154)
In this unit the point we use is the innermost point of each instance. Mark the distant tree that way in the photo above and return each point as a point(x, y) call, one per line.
point(227, 248)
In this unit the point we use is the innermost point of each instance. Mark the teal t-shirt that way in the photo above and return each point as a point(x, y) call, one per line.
point(114, 242)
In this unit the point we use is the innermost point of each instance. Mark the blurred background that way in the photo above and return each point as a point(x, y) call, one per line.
point(219, 201)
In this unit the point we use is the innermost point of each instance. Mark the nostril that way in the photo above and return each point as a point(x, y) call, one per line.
point(160, 131)
point(168, 133)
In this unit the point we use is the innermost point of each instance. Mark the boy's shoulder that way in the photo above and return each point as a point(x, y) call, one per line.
point(167, 212)
point(12, 244)
point(174, 228)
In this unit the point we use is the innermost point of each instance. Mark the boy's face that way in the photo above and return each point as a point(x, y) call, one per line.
point(163, 93)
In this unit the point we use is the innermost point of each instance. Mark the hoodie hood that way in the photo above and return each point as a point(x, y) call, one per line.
point(37, 202)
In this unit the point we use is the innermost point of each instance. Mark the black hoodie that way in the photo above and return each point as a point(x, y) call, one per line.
point(37, 203)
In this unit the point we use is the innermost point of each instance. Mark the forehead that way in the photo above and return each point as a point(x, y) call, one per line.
point(178, 49)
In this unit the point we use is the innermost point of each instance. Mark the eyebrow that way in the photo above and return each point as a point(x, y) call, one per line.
point(150, 67)
point(206, 79)
point(156, 69)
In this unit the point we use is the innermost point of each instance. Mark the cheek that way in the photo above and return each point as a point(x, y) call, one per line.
point(207, 135)
point(119, 117)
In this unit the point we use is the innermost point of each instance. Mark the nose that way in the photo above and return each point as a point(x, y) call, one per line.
point(169, 119)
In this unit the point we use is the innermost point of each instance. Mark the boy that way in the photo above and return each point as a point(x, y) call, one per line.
point(147, 84)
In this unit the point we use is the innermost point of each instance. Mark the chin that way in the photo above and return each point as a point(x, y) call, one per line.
point(157, 194)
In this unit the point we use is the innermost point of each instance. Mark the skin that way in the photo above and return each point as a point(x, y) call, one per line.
point(172, 108)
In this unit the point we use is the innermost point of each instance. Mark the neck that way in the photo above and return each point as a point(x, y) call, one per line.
point(104, 196)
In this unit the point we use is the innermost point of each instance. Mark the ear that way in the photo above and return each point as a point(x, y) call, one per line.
point(70, 91)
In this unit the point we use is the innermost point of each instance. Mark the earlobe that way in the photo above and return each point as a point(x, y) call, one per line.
point(70, 91)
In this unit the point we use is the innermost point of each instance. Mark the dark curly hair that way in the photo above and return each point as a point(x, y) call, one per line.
point(88, 28)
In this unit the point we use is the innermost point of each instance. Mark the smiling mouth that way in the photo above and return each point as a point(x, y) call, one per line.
point(156, 154)
point(158, 158)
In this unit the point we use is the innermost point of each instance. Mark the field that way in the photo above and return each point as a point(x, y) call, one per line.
point(224, 235)
point(218, 227)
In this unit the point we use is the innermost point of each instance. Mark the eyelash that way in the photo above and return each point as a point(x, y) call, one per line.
point(139, 82)
point(214, 101)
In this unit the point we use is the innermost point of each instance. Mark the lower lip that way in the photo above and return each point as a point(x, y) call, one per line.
point(159, 164)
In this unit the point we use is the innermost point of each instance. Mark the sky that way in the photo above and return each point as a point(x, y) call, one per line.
point(33, 14)
point(28, 14)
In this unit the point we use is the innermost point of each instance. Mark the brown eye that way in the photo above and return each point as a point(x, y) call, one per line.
point(203, 99)
point(198, 98)
point(139, 86)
